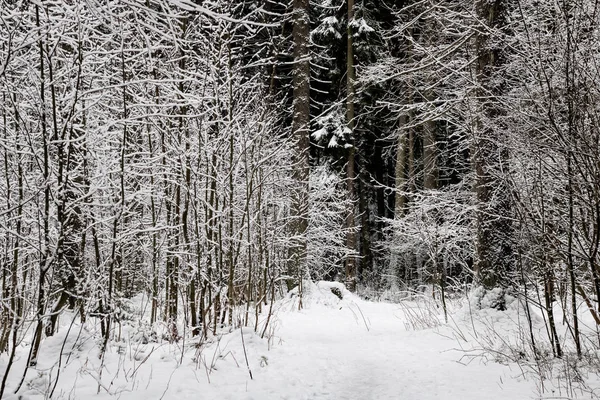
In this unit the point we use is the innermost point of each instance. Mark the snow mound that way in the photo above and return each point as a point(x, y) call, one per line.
point(328, 294)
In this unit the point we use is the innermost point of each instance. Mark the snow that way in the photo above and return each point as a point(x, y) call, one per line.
point(333, 142)
point(332, 348)
point(328, 28)
point(361, 26)
point(319, 134)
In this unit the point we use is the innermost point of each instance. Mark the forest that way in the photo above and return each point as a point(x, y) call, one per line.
point(216, 157)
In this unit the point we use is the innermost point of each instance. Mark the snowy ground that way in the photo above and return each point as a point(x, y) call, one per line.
point(331, 349)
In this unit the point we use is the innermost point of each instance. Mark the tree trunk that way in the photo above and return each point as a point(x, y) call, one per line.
point(400, 171)
point(430, 156)
point(300, 132)
point(44, 262)
point(493, 259)
point(350, 166)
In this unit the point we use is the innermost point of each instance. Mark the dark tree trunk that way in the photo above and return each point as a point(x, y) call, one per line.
point(300, 132)
point(494, 259)
point(350, 166)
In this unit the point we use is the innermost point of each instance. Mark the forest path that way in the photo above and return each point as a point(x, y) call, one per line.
point(329, 354)
point(331, 349)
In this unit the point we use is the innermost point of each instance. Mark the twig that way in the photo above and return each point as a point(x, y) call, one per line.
point(245, 354)
point(62, 349)
point(168, 383)
point(363, 317)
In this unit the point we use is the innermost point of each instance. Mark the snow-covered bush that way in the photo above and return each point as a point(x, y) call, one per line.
point(434, 240)
point(326, 231)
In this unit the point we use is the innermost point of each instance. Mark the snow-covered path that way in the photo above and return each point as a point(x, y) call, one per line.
point(322, 352)
point(329, 354)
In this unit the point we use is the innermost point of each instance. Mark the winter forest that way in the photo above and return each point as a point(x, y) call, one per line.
point(300, 199)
